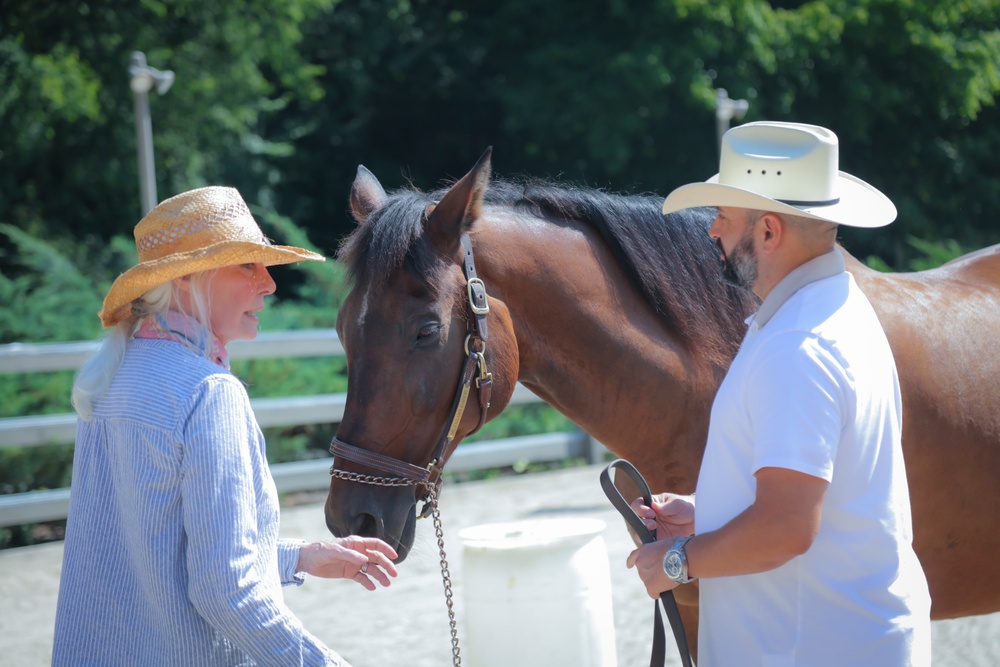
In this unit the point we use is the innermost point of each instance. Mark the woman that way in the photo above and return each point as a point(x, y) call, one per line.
point(172, 555)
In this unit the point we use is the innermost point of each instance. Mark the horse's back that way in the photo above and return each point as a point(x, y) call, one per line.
point(942, 325)
point(963, 291)
point(981, 266)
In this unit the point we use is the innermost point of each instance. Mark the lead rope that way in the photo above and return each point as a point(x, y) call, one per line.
point(658, 654)
point(456, 657)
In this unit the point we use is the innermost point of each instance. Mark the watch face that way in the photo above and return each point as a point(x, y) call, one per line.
point(672, 565)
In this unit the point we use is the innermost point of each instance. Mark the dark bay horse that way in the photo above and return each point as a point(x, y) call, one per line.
point(618, 317)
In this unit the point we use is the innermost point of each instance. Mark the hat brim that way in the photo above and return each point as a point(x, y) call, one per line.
point(860, 204)
point(146, 275)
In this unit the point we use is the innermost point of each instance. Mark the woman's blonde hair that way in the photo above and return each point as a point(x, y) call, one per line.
point(95, 376)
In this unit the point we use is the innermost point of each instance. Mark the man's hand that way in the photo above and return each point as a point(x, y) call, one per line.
point(670, 516)
point(648, 563)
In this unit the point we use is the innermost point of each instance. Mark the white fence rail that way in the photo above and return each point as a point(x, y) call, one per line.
point(33, 430)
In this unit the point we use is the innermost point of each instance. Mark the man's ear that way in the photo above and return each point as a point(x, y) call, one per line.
point(771, 230)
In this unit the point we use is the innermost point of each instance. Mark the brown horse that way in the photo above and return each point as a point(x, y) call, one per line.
point(618, 317)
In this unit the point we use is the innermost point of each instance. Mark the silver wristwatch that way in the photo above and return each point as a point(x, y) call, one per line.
point(675, 562)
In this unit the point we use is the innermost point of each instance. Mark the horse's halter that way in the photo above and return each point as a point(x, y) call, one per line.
point(429, 477)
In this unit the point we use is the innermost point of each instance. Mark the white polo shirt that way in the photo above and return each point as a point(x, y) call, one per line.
point(814, 389)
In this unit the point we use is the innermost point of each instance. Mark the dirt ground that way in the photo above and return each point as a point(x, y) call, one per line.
point(408, 622)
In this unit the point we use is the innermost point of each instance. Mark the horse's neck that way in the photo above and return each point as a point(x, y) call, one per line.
point(592, 346)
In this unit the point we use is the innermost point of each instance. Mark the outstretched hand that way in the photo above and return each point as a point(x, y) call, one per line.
point(362, 559)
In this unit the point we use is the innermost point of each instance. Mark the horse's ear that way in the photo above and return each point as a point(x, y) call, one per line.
point(367, 195)
point(462, 204)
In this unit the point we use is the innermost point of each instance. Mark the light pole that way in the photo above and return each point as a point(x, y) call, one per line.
point(143, 79)
point(725, 110)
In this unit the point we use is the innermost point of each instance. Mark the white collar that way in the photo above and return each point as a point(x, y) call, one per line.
point(826, 265)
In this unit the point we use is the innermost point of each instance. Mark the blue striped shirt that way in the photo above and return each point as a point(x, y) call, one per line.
point(172, 555)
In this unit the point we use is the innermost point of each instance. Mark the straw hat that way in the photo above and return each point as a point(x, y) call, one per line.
point(789, 168)
point(198, 230)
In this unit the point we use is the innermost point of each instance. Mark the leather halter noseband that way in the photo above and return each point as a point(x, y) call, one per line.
point(474, 368)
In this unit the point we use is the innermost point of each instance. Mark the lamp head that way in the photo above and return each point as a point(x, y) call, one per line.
point(144, 77)
point(164, 80)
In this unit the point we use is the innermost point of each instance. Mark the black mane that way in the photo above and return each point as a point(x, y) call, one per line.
point(670, 259)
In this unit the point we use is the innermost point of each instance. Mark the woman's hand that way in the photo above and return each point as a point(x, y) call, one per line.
point(359, 558)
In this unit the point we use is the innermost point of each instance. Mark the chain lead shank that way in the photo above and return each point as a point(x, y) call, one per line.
point(430, 507)
point(456, 656)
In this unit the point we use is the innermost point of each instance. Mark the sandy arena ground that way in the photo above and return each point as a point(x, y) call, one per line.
point(408, 623)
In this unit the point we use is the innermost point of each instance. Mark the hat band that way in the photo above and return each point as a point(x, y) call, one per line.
point(808, 204)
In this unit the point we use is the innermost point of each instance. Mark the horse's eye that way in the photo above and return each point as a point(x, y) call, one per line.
point(428, 333)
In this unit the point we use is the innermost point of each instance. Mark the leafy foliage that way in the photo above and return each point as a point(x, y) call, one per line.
point(933, 254)
point(48, 297)
point(70, 166)
point(284, 100)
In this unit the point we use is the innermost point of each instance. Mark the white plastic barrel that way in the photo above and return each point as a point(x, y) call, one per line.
point(537, 593)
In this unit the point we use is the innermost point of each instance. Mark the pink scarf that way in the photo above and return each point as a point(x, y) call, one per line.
point(184, 329)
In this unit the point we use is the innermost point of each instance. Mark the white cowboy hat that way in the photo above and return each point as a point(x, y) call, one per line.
point(198, 230)
point(787, 168)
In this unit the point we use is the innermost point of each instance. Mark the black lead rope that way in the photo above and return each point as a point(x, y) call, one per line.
point(659, 652)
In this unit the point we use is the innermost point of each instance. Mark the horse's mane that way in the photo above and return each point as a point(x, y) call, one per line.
point(670, 259)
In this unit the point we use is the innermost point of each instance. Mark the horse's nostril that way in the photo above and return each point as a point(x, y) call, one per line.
point(366, 525)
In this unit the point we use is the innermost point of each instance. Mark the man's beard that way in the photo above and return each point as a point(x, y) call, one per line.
point(740, 266)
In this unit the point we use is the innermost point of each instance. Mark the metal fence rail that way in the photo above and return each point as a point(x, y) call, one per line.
point(33, 430)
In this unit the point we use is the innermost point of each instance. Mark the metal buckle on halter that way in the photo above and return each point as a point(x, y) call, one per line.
point(434, 473)
point(469, 350)
point(483, 373)
point(431, 487)
point(430, 503)
point(478, 310)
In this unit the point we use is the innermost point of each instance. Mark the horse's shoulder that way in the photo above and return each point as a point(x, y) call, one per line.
point(869, 280)
point(854, 265)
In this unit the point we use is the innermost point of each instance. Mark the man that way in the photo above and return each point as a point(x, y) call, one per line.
point(803, 546)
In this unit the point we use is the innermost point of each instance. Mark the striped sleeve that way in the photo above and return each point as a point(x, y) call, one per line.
point(220, 497)
point(288, 561)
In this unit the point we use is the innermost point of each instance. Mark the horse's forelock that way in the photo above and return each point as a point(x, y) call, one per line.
point(390, 234)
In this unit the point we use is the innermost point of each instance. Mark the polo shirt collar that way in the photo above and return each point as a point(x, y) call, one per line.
point(825, 266)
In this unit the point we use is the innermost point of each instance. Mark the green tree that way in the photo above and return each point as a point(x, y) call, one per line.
point(620, 94)
point(283, 100)
point(69, 167)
